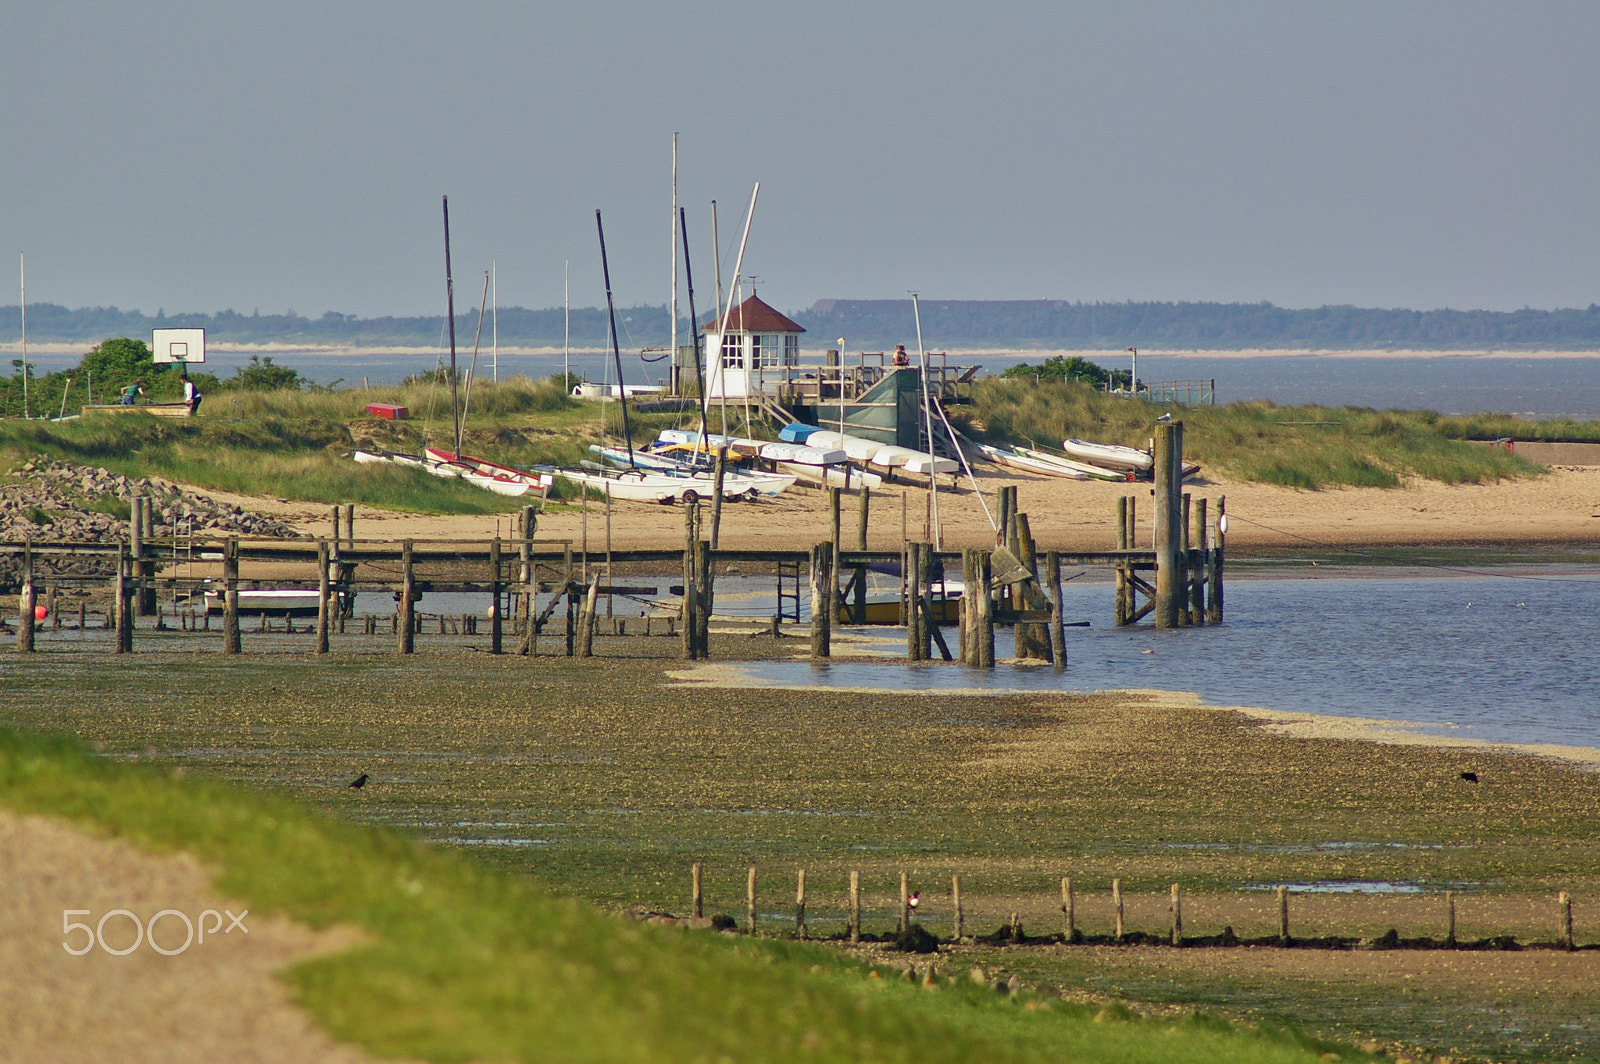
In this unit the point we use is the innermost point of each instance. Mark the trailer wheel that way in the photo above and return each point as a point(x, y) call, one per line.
point(691, 497)
point(752, 495)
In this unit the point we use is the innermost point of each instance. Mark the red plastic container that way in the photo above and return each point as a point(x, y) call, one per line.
point(388, 410)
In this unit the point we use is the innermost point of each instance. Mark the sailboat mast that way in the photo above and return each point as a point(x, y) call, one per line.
point(673, 308)
point(927, 413)
point(566, 337)
point(22, 279)
point(616, 352)
point(450, 315)
point(494, 321)
point(694, 322)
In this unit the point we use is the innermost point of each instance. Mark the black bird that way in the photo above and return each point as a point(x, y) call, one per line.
point(361, 781)
point(1470, 777)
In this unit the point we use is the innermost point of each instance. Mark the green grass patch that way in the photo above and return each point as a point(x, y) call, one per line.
point(469, 963)
point(1305, 447)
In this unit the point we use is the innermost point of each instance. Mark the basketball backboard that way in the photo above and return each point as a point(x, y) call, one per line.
point(179, 345)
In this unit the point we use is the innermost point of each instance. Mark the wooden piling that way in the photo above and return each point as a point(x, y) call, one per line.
point(1169, 529)
point(350, 523)
point(855, 907)
point(928, 632)
point(230, 597)
point(322, 592)
point(863, 502)
point(1116, 907)
point(1185, 554)
point(955, 907)
point(1124, 593)
point(1196, 567)
point(572, 627)
point(696, 900)
point(1283, 916)
point(909, 613)
point(496, 594)
point(1069, 916)
point(27, 602)
point(408, 601)
point(822, 602)
point(1214, 583)
point(904, 923)
point(690, 610)
point(1058, 632)
point(1450, 919)
point(125, 604)
point(705, 595)
point(985, 612)
point(1177, 915)
point(586, 618)
point(750, 902)
point(716, 496)
point(967, 610)
point(1564, 914)
point(800, 904)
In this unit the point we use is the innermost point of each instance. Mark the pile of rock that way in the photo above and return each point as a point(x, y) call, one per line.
point(58, 502)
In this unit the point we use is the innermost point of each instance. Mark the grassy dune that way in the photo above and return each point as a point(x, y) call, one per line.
point(469, 963)
point(1307, 447)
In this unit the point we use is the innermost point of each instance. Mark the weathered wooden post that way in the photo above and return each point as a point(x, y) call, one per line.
point(696, 905)
point(1283, 916)
point(322, 595)
point(1124, 593)
point(855, 907)
point(716, 498)
point(1169, 529)
point(1564, 913)
point(1058, 632)
point(909, 613)
point(905, 904)
point(1033, 639)
point(1218, 549)
point(27, 601)
point(1196, 567)
point(1177, 915)
point(800, 904)
point(1116, 906)
point(705, 595)
point(572, 624)
point(955, 906)
point(338, 524)
point(408, 601)
point(125, 603)
point(750, 902)
point(985, 610)
point(864, 498)
point(530, 586)
point(1450, 919)
point(349, 523)
point(691, 605)
point(1069, 915)
point(230, 597)
point(496, 594)
point(821, 602)
point(586, 618)
point(968, 611)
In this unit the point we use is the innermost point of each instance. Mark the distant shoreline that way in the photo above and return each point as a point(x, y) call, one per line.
point(276, 349)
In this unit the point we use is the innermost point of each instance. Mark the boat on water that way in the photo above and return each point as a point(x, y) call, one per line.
point(1109, 455)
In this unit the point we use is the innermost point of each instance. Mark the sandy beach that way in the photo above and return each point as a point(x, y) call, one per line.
point(1559, 509)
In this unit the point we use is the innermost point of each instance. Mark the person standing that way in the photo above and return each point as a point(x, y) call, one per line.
point(191, 394)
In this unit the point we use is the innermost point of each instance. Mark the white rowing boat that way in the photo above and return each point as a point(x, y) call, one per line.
point(1023, 463)
point(1109, 455)
point(1091, 472)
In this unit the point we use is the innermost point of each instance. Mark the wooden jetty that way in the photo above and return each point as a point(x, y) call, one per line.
point(1179, 579)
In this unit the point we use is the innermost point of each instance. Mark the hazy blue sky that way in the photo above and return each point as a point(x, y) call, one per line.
point(291, 155)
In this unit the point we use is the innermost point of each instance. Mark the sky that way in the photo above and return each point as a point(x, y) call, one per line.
point(291, 156)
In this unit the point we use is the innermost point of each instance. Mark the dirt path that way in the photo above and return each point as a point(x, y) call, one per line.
point(211, 1002)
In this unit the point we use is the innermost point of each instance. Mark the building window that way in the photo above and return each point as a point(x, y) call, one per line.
point(764, 351)
point(733, 351)
point(791, 350)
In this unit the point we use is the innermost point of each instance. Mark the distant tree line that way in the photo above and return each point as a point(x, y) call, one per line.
point(869, 324)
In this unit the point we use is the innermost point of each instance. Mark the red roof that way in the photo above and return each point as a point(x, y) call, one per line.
point(754, 316)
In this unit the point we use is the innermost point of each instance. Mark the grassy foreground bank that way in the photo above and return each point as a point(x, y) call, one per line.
point(472, 964)
point(605, 779)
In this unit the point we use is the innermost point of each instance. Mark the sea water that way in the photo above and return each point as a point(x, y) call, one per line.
point(1505, 658)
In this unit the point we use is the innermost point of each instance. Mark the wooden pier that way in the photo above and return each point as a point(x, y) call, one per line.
point(1179, 579)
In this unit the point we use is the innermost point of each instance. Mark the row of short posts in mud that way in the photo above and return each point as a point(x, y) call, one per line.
point(911, 905)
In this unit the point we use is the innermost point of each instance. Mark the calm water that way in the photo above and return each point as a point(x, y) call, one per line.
point(1504, 659)
point(1532, 387)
